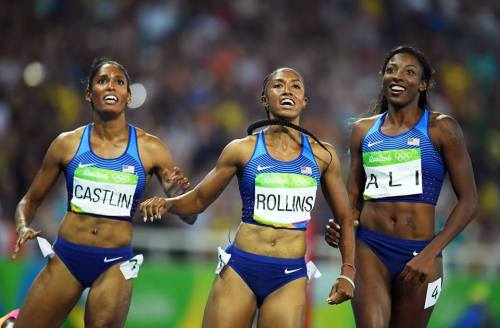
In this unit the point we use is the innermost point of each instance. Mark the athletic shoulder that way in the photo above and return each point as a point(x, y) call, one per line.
point(361, 127)
point(242, 144)
point(320, 150)
point(149, 142)
point(65, 145)
point(446, 129)
point(324, 157)
point(437, 119)
point(239, 151)
point(68, 139)
point(365, 123)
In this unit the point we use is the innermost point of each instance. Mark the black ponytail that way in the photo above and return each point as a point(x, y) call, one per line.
point(267, 122)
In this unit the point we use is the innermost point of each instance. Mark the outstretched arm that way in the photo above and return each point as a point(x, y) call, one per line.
point(198, 199)
point(44, 180)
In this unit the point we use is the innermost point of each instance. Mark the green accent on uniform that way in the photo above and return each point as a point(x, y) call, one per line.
point(389, 157)
point(284, 180)
point(270, 223)
point(107, 176)
point(76, 209)
point(367, 197)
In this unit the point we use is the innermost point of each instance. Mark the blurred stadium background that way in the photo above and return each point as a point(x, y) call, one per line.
point(197, 68)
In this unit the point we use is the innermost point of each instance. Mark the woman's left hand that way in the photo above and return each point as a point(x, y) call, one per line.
point(154, 208)
point(341, 291)
point(174, 182)
point(418, 269)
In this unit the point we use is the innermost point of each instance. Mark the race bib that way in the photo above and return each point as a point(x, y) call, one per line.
point(103, 192)
point(392, 173)
point(223, 259)
point(284, 199)
point(130, 268)
point(433, 292)
point(45, 247)
point(312, 271)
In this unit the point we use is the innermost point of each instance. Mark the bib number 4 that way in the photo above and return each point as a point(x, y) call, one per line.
point(433, 292)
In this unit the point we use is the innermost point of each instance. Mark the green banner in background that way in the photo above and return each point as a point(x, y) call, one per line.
point(170, 295)
point(466, 301)
point(11, 274)
point(173, 294)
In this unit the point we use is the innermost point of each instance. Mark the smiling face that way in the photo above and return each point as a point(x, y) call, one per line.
point(109, 89)
point(284, 94)
point(402, 80)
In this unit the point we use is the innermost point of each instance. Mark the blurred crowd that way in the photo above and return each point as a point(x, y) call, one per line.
point(203, 62)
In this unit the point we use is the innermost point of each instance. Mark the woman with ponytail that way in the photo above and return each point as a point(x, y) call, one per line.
point(106, 164)
point(399, 159)
point(279, 171)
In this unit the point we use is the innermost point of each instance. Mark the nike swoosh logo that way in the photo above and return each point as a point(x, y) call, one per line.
point(86, 165)
point(374, 143)
point(106, 260)
point(415, 253)
point(260, 168)
point(291, 271)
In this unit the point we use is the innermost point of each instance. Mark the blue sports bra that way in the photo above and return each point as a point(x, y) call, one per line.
point(276, 193)
point(105, 187)
point(402, 168)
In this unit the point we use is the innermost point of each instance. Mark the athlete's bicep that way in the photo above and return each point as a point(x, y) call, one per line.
point(334, 188)
point(48, 173)
point(219, 177)
point(356, 179)
point(457, 159)
point(159, 155)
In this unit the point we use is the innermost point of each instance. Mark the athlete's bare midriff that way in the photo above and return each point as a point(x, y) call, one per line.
point(268, 241)
point(403, 220)
point(95, 231)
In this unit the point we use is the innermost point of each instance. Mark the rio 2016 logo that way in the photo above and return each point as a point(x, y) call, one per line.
point(402, 157)
point(121, 178)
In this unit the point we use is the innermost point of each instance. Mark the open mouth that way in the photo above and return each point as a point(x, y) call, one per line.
point(110, 99)
point(397, 89)
point(287, 102)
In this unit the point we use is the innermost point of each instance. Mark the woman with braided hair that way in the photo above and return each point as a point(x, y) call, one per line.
point(279, 171)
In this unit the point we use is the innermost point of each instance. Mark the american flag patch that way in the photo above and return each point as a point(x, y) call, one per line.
point(413, 141)
point(306, 170)
point(128, 168)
